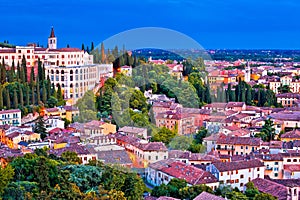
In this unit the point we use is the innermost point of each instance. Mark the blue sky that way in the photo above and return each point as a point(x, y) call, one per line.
point(233, 24)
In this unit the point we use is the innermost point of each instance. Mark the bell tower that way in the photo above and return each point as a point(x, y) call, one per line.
point(52, 40)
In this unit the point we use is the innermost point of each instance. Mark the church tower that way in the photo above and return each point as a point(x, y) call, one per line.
point(52, 40)
point(247, 73)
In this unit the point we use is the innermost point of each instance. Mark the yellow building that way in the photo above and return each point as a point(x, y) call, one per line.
point(71, 112)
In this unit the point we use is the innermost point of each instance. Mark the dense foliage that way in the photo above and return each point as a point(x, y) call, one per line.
point(42, 176)
point(19, 90)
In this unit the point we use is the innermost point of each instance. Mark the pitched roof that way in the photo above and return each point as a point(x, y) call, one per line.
point(239, 141)
point(191, 174)
point(131, 129)
point(292, 134)
point(272, 188)
point(114, 157)
point(208, 196)
point(237, 165)
point(235, 104)
point(9, 111)
point(153, 146)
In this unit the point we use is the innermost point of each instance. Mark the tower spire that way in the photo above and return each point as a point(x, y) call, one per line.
point(52, 35)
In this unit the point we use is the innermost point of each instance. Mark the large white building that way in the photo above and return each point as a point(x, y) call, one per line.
point(71, 68)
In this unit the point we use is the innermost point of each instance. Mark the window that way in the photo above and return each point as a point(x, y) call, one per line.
point(276, 163)
point(227, 181)
point(241, 184)
point(242, 147)
point(236, 180)
point(258, 169)
point(149, 157)
point(156, 157)
point(294, 160)
point(276, 174)
point(242, 175)
point(236, 171)
point(288, 160)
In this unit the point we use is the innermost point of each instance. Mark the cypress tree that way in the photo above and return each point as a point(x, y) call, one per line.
point(92, 46)
point(18, 71)
point(15, 99)
point(24, 67)
point(82, 47)
point(13, 69)
point(21, 96)
point(1, 98)
point(3, 72)
point(22, 75)
point(43, 72)
point(32, 78)
point(248, 95)
point(207, 94)
point(44, 94)
point(27, 96)
point(40, 127)
point(102, 53)
point(48, 87)
point(7, 99)
point(59, 93)
point(40, 70)
point(38, 95)
point(32, 95)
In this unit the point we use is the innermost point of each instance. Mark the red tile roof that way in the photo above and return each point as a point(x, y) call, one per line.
point(191, 174)
point(292, 134)
point(231, 166)
point(9, 111)
point(272, 188)
point(240, 141)
point(208, 196)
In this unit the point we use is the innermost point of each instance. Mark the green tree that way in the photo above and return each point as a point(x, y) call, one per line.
point(251, 191)
point(41, 173)
point(71, 157)
point(6, 175)
point(24, 69)
point(44, 94)
point(21, 96)
point(15, 99)
point(268, 131)
point(264, 196)
point(102, 53)
point(40, 127)
point(181, 142)
point(191, 192)
point(1, 98)
point(164, 135)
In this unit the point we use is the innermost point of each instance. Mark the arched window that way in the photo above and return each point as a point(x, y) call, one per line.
point(57, 72)
point(62, 85)
point(52, 71)
point(71, 72)
point(71, 85)
point(76, 71)
point(62, 72)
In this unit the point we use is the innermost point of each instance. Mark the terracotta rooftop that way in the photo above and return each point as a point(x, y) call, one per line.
point(240, 141)
point(208, 196)
point(272, 188)
point(114, 157)
point(230, 166)
point(131, 129)
point(292, 134)
point(9, 111)
point(191, 174)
